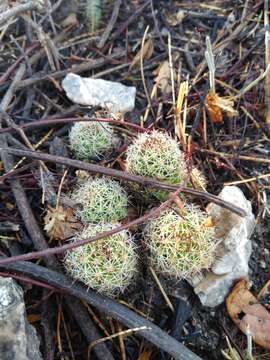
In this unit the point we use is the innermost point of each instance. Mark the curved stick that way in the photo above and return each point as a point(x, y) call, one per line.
point(147, 182)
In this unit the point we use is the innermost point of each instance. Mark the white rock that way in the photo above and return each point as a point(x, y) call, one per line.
point(113, 96)
point(233, 252)
point(18, 339)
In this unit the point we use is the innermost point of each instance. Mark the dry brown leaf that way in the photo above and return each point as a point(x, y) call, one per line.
point(70, 20)
point(264, 295)
point(61, 223)
point(248, 314)
point(217, 105)
point(208, 222)
point(175, 18)
point(32, 318)
point(146, 52)
point(163, 78)
point(145, 355)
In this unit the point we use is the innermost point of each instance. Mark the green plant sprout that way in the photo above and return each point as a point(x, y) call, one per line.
point(93, 14)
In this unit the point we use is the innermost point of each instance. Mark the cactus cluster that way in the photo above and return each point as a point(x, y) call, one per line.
point(107, 265)
point(180, 245)
point(101, 200)
point(91, 139)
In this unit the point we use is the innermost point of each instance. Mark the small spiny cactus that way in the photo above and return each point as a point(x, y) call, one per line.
point(157, 155)
point(180, 246)
point(90, 140)
point(101, 200)
point(107, 265)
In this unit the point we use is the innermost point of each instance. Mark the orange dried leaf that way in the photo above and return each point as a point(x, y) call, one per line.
point(217, 105)
point(208, 222)
point(248, 314)
point(145, 355)
point(32, 318)
point(61, 223)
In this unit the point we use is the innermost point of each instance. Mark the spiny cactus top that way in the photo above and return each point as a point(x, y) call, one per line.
point(90, 140)
point(156, 155)
point(107, 265)
point(101, 200)
point(180, 246)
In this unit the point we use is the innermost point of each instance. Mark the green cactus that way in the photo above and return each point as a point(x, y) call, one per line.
point(93, 14)
point(180, 246)
point(90, 140)
point(156, 155)
point(100, 200)
point(107, 265)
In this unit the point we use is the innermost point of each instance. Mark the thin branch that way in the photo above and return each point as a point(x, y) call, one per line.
point(147, 182)
point(76, 69)
point(209, 56)
point(110, 25)
point(142, 73)
point(60, 249)
point(54, 121)
point(267, 60)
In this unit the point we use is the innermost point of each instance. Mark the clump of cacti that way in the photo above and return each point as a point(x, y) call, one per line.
point(180, 245)
point(107, 265)
point(181, 242)
point(100, 200)
point(90, 140)
point(158, 156)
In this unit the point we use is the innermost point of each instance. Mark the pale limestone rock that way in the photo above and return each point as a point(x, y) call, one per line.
point(18, 339)
point(112, 96)
point(233, 252)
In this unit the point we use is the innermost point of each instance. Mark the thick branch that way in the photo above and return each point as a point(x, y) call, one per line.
point(108, 306)
point(30, 5)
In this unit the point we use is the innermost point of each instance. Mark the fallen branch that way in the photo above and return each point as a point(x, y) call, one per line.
point(60, 249)
point(108, 306)
point(53, 121)
point(16, 10)
point(147, 182)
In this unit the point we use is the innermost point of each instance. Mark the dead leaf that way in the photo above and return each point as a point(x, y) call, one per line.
point(145, 355)
point(163, 78)
point(175, 18)
point(217, 105)
point(208, 222)
point(146, 52)
point(32, 318)
point(264, 295)
point(82, 176)
point(61, 223)
point(248, 314)
point(70, 20)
